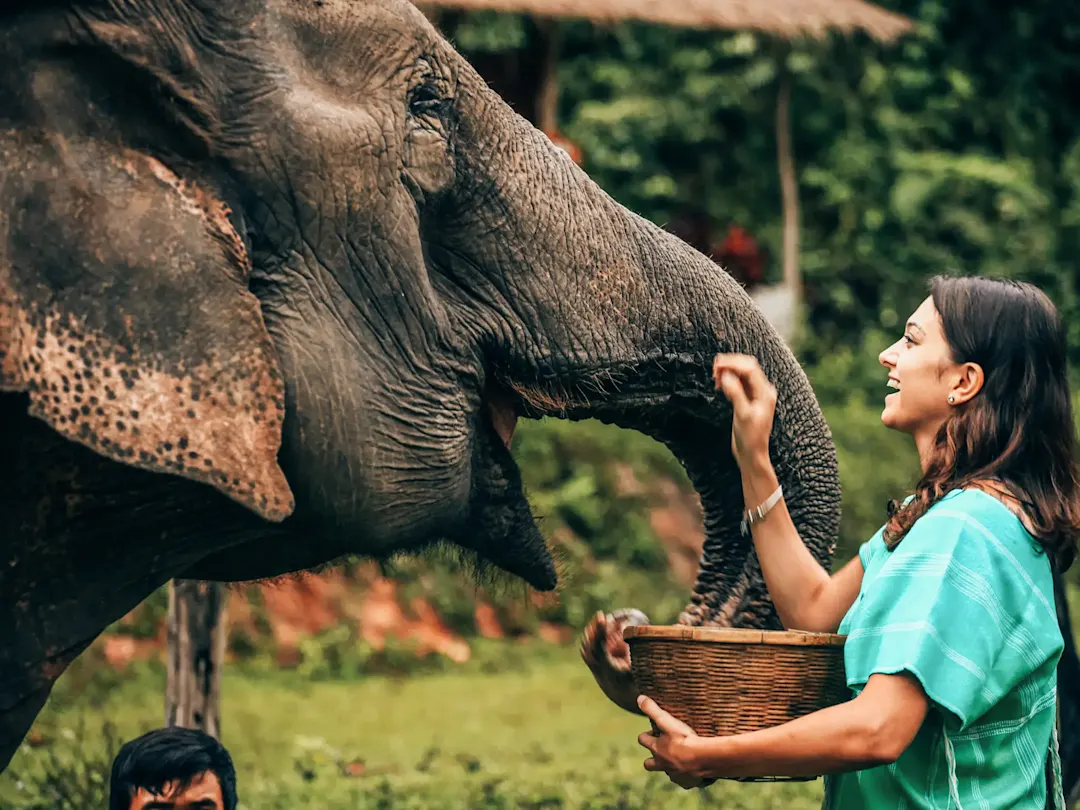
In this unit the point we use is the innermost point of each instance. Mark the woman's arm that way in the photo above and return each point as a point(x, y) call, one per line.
point(805, 595)
point(872, 729)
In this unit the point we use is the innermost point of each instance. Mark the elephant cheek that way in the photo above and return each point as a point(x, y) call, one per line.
point(428, 166)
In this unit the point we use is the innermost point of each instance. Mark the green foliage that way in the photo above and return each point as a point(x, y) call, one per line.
point(337, 654)
point(490, 31)
point(954, 150)
point(71, 773)
point(571, 473)
point(876, 465)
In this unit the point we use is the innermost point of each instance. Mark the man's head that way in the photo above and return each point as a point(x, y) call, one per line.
point(173, 769)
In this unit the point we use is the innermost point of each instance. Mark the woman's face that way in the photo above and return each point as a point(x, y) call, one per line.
point(922, 374)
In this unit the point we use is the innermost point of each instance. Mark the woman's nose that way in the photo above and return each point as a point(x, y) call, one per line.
point(887, 357)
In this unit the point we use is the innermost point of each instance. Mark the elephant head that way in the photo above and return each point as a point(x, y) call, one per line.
point(277, 279)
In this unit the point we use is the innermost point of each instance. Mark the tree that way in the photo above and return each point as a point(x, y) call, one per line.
point(196, 639)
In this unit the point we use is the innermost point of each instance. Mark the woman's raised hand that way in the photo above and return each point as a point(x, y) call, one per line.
point(753, 400)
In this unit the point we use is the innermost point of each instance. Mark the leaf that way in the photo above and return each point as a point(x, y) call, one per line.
point(910, 194)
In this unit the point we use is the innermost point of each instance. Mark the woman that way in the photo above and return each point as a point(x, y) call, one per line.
point(949, 610)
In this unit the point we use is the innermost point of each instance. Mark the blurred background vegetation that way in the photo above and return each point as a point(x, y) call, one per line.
point(957, 150)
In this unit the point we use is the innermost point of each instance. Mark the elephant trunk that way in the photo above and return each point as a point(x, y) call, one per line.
point(700, 311)
point(596, 312)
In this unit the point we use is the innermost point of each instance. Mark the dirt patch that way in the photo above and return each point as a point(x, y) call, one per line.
point(679, 523)
point(382, 616)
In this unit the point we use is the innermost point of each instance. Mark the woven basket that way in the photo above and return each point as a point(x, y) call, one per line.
point(723, 681)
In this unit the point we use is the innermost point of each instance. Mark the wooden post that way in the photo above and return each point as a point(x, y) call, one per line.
point(782, 304)
point(196, 638)
point(789, 187)
point(547, 101)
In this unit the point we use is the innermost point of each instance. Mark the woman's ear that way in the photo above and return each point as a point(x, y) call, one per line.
point(969, 383)
point(126, 317)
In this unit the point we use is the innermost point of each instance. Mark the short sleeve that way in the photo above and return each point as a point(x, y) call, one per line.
point(955, 606)
point(867, 551)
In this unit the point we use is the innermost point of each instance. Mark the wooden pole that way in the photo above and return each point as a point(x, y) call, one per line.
point(547, 102)
point(789, 187)
point(196, 639)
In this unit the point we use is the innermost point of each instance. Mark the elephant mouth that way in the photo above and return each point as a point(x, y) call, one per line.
point(502, 409)
point(499, 526)
point(669, 399)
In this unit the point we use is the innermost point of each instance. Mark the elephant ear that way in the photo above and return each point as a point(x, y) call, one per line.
point(126, 317)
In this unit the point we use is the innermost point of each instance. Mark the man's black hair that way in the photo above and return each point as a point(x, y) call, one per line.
point(166, 755)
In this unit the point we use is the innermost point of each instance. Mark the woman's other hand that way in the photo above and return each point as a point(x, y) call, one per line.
point(753, 401)
point(607, 655)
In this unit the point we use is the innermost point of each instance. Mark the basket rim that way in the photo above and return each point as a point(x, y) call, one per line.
point(734, 635)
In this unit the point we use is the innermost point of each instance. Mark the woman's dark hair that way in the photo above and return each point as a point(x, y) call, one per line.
point(169, 755)
point(1019, 428)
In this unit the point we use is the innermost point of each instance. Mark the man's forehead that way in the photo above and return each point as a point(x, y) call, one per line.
point(202, 793)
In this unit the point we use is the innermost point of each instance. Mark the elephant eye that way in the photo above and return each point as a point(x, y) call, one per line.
point(426, 100)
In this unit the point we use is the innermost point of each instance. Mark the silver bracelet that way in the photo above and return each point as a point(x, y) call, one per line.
point(758, 513)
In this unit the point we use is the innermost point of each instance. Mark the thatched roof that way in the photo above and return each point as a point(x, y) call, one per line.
point(785, 18)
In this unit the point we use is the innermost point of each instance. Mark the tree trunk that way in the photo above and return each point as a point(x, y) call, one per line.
point(196, 651)
point(547, 97)
point(789, 186)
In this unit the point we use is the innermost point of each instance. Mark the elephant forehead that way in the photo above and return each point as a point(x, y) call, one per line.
point(350, 44)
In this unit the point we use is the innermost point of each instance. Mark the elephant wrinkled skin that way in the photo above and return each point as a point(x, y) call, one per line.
point(277, 279)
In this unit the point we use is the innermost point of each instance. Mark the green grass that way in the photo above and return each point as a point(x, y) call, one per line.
point(514, 729)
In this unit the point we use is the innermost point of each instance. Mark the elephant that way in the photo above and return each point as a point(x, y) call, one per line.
point(278, 278)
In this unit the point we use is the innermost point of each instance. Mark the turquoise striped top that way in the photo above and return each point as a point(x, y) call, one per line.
point(965, 603)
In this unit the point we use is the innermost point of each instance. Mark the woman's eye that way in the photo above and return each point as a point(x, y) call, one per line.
point(908, 340)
